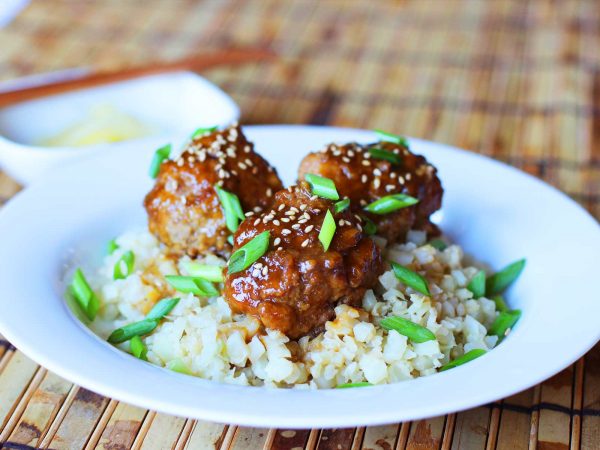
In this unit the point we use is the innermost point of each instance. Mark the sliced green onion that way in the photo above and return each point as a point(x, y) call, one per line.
point(159, 156)
point(194, 285)
point(411, 279)
point(246, 255)
point(405, 327)
point(438, 244)
point(500, 303)
point(125, 333)
point(124, 266)
point(177, 365)
point(386, 155)
point(354, 385)
point(201, 131)
point(206, 271)
point(389, 137)
point(391, 203)
point(469, 356)
point(327, 230)
point(111, 246)
point(138, 348)
point(497, 283)
point(162, 308)
point(321, 186)
point(85, 297)
point(477, 284)
point(369, 226)
point(342, 205)
point(231, 207)
point(505, 321)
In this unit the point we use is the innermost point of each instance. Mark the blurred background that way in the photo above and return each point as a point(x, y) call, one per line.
point(517, 80)
point(513, 79)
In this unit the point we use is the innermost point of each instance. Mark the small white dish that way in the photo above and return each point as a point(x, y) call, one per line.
point(170, 103)
point(495, 212)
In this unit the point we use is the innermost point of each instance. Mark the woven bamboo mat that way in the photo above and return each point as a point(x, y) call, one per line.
point(515, 80)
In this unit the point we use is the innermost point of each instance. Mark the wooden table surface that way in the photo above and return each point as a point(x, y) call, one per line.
point(515, 80)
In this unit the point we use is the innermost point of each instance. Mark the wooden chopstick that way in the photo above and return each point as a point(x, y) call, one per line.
point(194, 63)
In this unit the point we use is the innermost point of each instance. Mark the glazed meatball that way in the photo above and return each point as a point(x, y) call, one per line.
point(296, 284)
point(184, 211)
point(364, 178)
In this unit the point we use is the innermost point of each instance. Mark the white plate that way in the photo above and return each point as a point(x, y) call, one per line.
point(497, 213)
point(169, 103)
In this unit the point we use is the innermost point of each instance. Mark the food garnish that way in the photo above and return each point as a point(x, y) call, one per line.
point(327, 230)
point(497, 283)
point(85, 297)
point(138, 348)
point(160, 156)
point(390, 203)
point(411, 279)
point(405, 327)
point(386, 155)
point(504, 323)
point(231, 207)
point(195, 285)
point(201, 131)
point(162, 308)
point(438, 244)
point(477, 284)
point(469, 356)
point(384, 136)
point(342, 205)
point(354, 385)
point(124, 266)
point(250, 252)
point(323, 187)
point(206, 271)
point(369, 227)
point(111, 246)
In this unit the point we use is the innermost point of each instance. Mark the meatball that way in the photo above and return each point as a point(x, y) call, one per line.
point(364, 178)
point(184, 211)
point(296, 284)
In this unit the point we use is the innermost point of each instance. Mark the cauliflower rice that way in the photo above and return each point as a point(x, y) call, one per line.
point(202, 337)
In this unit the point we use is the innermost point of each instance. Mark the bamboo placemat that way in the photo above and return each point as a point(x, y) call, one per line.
point(515, 80)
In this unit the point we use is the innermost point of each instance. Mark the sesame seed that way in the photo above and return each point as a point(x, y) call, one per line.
point(234, 172)
point(220, 183)
point(390, 187)
point(316, 210)
point(256, 222)
point(363, 202)
point(376, 183)
point(366, 163)
point(254, 170)
point(309, 228)
point(363, 178)
point(255, 273)
point(358, 217)
point(221, 173)
point(258, 265)
point(401, 179)
point(249, 162)
point(265, 271)
point(345, 159)
point(276, 242)
point(305, 216)
point(305, 243)
point(285, 232)
point(276, 223)
point(257, 209)
point(269, 192)
point(249, 214)
point(367, 155)
point(341, 222)
point(295, 226)
point(296, 210)
point(408, 176)
point(279, 248)
point(359, 227)
point(303, 221)
point(393, 175)
point(231, 152)
point(202, 156)
point(269, 217)
point(313, 198)
point(242, 166)
point(302, 207)
point(247, 149)
point(350, 153)
point(285, 219)
point(377, 172)
point(281, 207)
point(336, 153)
